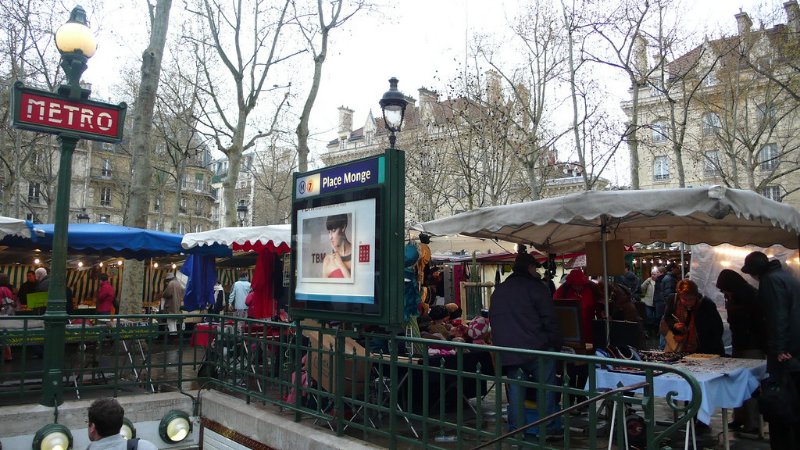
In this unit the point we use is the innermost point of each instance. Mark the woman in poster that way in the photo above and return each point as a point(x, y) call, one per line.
point(337, 264)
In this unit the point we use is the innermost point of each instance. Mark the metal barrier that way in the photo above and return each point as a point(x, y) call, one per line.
point(449, 395)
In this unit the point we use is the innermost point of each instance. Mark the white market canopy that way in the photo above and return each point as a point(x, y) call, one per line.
point(14, 227)
point(273, 237)
point(711, 215)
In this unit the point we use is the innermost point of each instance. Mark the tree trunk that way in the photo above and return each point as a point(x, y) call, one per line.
point(141, 144)
point(632, 136)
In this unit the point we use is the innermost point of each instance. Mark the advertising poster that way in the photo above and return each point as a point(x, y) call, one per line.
point(336, 253)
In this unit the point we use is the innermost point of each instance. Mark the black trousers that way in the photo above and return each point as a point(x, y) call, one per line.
point(785, 435)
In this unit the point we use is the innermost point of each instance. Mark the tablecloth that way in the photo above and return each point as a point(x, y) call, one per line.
point(724, 382)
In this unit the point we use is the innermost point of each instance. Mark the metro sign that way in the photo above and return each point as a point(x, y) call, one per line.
point(47, 112)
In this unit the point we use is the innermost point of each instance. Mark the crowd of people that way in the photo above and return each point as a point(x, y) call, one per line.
point(764, 322)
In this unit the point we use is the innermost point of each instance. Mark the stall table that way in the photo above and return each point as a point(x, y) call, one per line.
point(724, 382)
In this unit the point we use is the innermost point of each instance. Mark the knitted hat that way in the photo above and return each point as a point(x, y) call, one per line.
point(754, 264)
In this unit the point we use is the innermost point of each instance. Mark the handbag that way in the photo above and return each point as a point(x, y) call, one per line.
point(779, 400)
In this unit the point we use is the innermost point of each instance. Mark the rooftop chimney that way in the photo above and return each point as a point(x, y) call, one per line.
point(792, 17)
point(744, 23)
point(345, 122)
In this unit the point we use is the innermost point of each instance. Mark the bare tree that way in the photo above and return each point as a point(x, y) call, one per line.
point(28, 54)
point(271, 172)
point(316, 28)
point(141, 145)
point(246, 38)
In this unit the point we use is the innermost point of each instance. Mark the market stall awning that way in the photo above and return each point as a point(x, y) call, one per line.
point(271, 237)
point(15, 227)
point(114, 240)
point(711, 215)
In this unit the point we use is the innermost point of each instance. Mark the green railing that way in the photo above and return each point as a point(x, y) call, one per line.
point(327, 376)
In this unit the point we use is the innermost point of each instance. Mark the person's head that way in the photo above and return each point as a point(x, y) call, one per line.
point(4, 280)
point(688, 293)
point(105, 418)
point(525, 263)
point(41, 272)
point(103, 277)
point(438, 312)
point(243, 275)
point(336, 225)
point(755, 264)
point(673, 268)
point(729, 281)
point(655, 271)
point(628, 267)
point(577, 278)
point(30, 276)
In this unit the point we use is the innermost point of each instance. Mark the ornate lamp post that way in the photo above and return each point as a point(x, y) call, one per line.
point(393, 104)
point(76, 44)
point(241, 211)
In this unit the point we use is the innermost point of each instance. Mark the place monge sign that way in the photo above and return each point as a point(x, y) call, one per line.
point(47, 112)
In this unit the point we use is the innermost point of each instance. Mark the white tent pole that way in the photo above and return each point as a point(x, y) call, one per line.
point(603, 227)
point(683, 273)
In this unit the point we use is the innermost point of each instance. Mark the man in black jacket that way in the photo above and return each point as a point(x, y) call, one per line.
point(779, 294)
point(523, 316)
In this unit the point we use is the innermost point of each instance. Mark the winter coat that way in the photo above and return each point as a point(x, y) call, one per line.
point(631, 281)
point(745, 315)
point(708, 325)
point(779, 293)
point(117, 442)
point(523, 316)
point(173, 297)
point(105, 297)
point(648, 290)
point(658, 292)
point(668, 285)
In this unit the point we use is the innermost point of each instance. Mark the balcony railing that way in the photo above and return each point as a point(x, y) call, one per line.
point(102, 174)
point(404, 392)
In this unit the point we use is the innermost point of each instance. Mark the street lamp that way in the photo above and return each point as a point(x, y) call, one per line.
point(241, 211)
point(76, 45)
point(393, 104)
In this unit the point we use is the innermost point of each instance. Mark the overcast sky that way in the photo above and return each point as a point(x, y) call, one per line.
point(418, 41)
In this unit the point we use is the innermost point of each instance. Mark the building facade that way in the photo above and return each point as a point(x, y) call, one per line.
point(725, 113)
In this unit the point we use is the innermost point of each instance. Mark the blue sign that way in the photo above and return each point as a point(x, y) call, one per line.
point(349, 176)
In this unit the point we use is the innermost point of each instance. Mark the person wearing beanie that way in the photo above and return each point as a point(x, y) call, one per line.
point(748, 336)
point(523, 316)
point(779, 296)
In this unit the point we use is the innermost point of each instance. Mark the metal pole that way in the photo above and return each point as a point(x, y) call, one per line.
point(604, 252)
point(55, 318)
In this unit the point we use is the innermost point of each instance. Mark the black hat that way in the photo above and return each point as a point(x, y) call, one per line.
point(523, 261)
point(755, 263)
point(424, 238)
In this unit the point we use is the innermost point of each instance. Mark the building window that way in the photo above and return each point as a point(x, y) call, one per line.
point(157, 204)
point(768, 157)
point(181, 228)
point(661, 168)
point(34, 193)
point(105, 170)
point(185, 181)
point(660, 131)
point(198, 228)
point(36, 159)
point(772, 193)
point(182, 204)
point(711, 166)
point(198, 207)
point(105, 197)
point(710, 79)
point(198, 182)
point(711, 124)
point(767, 114)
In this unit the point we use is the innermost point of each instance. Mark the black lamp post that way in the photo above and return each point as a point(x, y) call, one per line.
point(76, 45)
point(393, 104)
point(241, 211)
